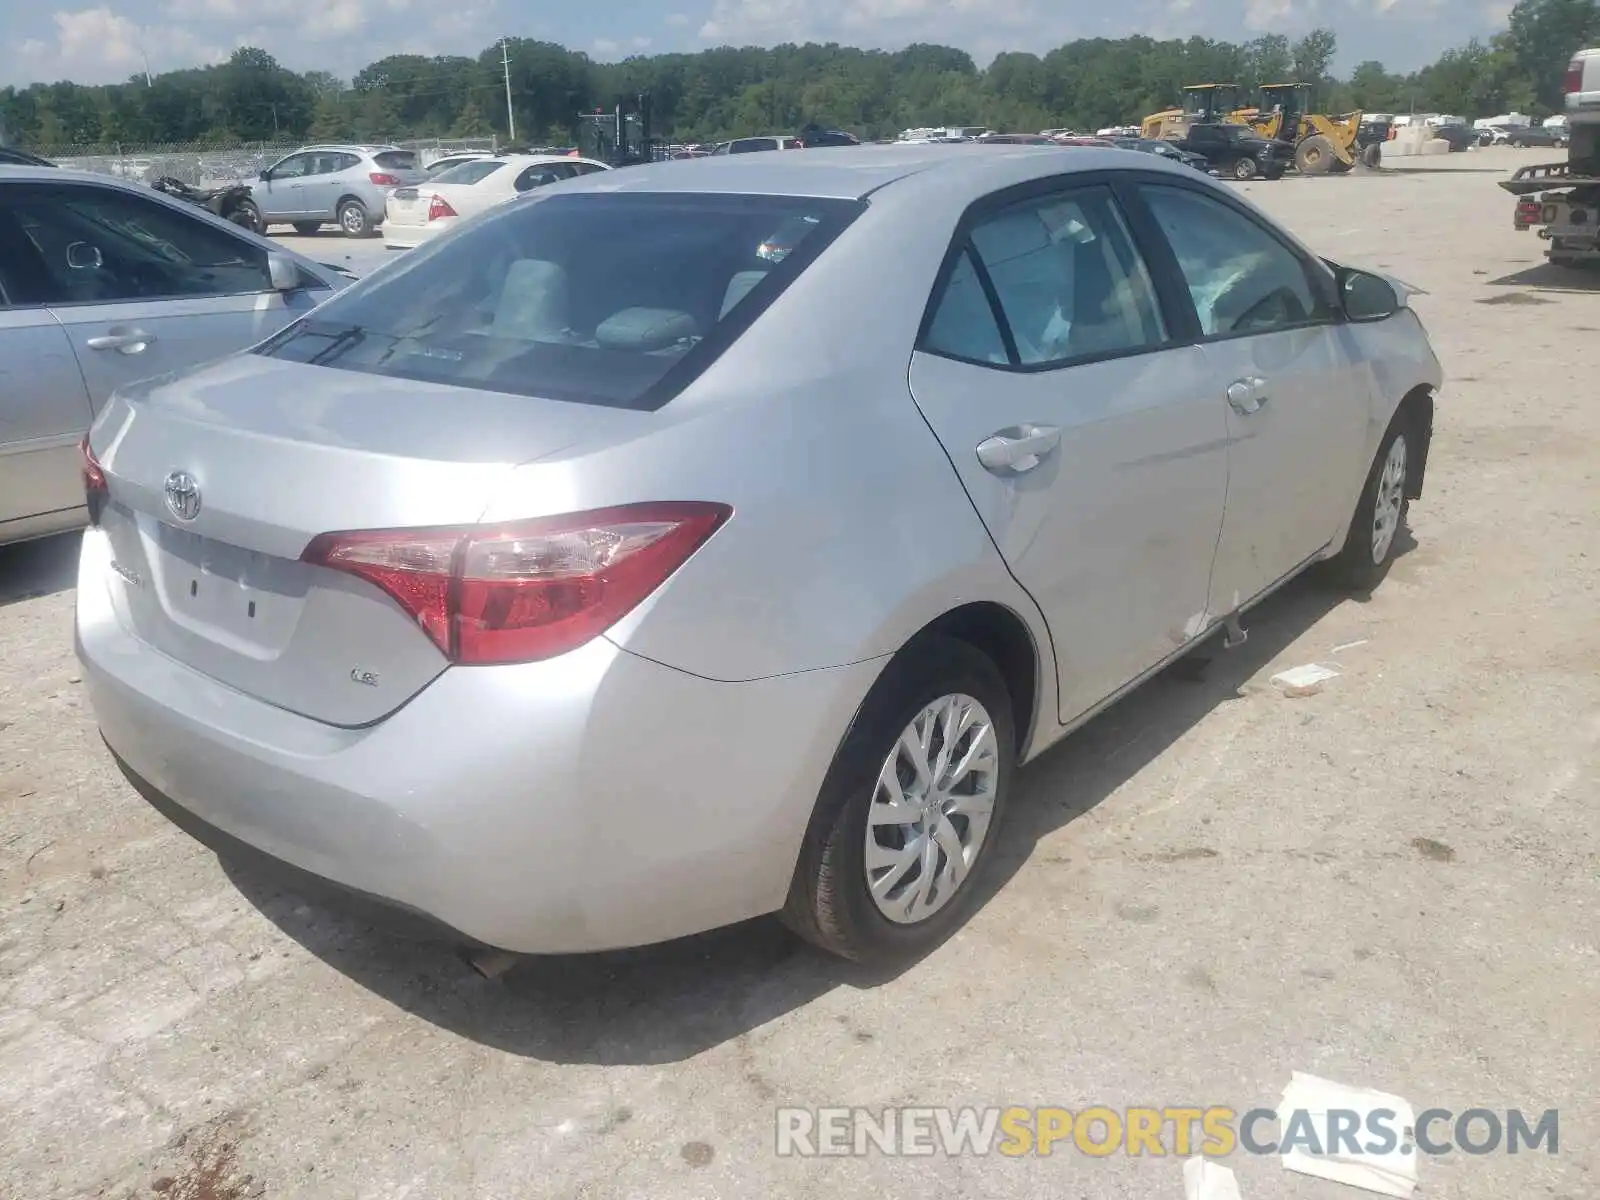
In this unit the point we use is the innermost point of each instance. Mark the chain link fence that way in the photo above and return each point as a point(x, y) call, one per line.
point(205, 165)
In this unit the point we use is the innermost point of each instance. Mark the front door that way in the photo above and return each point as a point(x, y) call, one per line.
point(142, 288)
point(1094, 449)
point(280, 195)
point(1297, 407)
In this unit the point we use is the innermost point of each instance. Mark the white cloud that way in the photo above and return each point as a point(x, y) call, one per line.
point(1267, 16)
point(605, 46)
point(99, 45)
point(641, 43)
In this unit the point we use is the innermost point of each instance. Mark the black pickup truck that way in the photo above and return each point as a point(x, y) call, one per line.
point(1237, 151)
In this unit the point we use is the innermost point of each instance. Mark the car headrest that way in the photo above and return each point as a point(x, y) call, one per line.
point(738, 288)
point(533, 301)
point(645, 329)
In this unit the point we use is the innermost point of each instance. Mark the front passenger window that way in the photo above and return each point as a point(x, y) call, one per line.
point(97, 245)
point(1242, 279)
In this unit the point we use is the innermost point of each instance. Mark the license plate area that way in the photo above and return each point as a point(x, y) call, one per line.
point(225, 592)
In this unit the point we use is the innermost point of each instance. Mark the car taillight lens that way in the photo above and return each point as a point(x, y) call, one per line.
point(530, 590)
point(384, 179)
point(1574, 81)
point(95, 490)
point(1529, 212)
point(439, 207)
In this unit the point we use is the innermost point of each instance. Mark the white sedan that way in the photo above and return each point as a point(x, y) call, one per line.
point(414, 215)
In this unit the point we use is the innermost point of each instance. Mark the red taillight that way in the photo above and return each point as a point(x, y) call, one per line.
point(95, 491)
point(530, 590)
point(1529, 212)
point(1574, 81)
point(384, 179)
point(439, 207)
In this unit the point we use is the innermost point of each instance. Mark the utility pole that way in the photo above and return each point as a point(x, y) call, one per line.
point(511, 116)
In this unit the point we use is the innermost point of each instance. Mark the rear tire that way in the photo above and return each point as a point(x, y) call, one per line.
point(354, 222)
point(1375, 530)
point(831, 897)
point(1244, 170)
point(307, 228)
point(1315, 155)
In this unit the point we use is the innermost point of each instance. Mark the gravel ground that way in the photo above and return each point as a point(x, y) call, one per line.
point(1394, 883)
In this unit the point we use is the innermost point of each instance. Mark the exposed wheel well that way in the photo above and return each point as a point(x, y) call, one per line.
point(997, 632)
point(343, 200)
point(1416, 410)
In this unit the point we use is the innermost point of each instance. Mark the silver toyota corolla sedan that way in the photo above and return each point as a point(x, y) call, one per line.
point(717, 538)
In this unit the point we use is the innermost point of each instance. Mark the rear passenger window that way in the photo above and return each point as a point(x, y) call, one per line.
point(963, 324)
point(1242, 279)
point(1068, 280)
point(395, 160)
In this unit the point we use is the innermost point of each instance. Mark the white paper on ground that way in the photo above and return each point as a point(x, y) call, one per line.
point(1306, 676)
point(1206, 1179)
point(1392, 1174)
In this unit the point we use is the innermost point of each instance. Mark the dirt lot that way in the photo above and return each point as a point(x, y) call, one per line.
point(1394, 883)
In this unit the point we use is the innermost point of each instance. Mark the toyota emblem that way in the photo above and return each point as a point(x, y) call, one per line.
point(183, 495)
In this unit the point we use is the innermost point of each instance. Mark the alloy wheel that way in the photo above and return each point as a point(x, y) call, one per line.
point(931, 809)
point(1390, 500)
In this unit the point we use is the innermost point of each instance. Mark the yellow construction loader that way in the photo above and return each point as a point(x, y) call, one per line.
point(1322, 143)
point(1203, 104)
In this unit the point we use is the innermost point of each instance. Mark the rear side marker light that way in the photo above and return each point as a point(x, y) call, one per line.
point(530, 590)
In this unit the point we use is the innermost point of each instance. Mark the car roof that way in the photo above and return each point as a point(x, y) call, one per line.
point(855, 172)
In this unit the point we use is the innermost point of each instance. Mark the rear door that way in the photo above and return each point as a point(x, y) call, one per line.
point(142, 287)
point(323, 185)
point(44, 410)
point(1091, 441)
point(1297, 406)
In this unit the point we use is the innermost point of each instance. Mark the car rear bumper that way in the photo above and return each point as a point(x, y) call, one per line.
point(593, 801)
point(409, 237)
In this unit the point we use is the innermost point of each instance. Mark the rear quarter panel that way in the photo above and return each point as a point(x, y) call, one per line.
point(851, 530)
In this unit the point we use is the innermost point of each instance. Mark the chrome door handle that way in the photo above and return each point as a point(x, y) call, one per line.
point(125, 341)
point(1018, 449)
point(1247, 395)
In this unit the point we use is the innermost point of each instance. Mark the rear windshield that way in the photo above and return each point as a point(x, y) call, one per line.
point(396, 160)
point(613, 298)
point(469, 172)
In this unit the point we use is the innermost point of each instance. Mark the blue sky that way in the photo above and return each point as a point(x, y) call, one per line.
point(107, 40)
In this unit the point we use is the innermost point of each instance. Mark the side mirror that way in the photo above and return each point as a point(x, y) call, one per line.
point(284, 274)
point(1368, 297)
point(83, 256)
point(266, 175)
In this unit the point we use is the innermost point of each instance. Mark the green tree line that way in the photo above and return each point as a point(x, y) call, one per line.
point(728, 92)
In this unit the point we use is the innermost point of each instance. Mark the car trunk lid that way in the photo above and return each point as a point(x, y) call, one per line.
point(219, 481)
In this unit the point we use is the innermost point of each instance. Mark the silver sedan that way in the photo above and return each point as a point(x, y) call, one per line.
point(712, 539)
point(103, 283)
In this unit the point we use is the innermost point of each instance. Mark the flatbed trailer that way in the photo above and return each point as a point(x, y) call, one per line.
point(1562, 199)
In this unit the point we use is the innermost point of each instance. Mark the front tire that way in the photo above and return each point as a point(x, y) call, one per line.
point(911, 808)
point(1374, 535)
point(1315, 155)
point(354, 221)
point(1244, 170)
point(248, 216)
